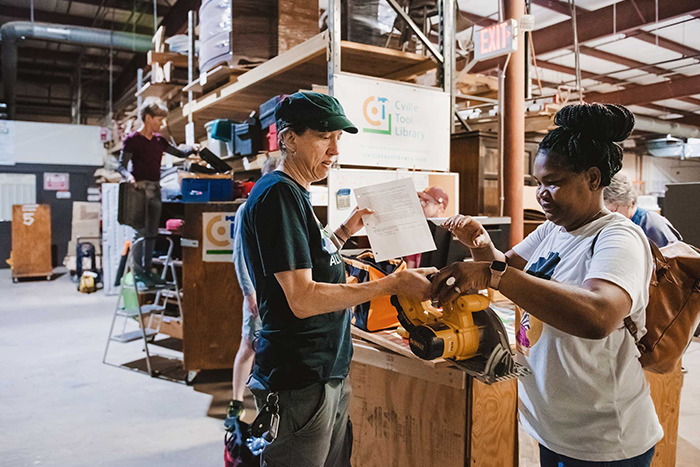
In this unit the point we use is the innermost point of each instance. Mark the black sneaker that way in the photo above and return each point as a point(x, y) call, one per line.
point(235, 409)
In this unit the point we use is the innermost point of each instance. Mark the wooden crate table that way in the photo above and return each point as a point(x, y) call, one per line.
point(411, 412)
point(31, 241)
point(212, 298)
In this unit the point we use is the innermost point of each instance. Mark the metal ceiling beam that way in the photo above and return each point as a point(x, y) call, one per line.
point(128, 5)
point(628, 62)
point(14, 12)
point(688, 117)
point(624, 61)
point(562, 8)
point(663, 42)
point(599, 23)
point(558, 7)
point(571, 71)
point(675, 89)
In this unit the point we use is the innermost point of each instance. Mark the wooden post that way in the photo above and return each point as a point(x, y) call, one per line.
point(513, 113)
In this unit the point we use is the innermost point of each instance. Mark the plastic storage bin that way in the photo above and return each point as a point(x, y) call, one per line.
point(267, 111)
point(204, 190)
point(214, 33)
point(247, 138)
point(270, 141)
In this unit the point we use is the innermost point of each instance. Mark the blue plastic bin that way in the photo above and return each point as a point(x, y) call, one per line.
point(267, 111)
point(247, 138)
point(204, 190)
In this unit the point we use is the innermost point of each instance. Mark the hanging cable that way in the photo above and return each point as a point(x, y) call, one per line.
point(615, 19)
point(534, 64)
point(657, 21)
point(577, 55)
point(31, 10)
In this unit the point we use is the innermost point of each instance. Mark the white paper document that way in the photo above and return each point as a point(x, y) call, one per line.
point(398, 227)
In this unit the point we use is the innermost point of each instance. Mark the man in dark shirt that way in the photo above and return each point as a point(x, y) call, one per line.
point(304, 349)
point(145, 148)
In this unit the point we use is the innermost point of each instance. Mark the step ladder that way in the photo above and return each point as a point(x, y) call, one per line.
point(129, 306)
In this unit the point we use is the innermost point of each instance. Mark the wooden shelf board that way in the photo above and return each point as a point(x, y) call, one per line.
point(217, 76)
point(300, 68)
point(159, 90)
point(162, 58)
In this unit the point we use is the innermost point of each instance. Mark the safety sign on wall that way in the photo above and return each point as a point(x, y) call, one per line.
point(400, 125)
point(217, 237)
point(56, 181)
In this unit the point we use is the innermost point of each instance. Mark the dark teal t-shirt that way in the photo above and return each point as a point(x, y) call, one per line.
point(281, 233)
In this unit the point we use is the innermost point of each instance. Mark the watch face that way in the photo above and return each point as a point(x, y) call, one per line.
point(499, 266)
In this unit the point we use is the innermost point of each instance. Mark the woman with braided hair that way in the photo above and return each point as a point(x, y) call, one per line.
point(574, 280)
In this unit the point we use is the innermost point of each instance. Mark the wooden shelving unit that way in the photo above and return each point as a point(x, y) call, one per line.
point(299, 68)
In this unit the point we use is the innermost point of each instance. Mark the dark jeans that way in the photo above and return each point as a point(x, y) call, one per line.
point(552, 459)
point(150, 209)
point(314, 429)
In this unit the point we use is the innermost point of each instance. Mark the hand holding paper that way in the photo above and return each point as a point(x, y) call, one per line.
point(398, 226)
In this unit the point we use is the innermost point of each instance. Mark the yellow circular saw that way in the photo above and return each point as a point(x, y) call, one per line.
point(466, 331)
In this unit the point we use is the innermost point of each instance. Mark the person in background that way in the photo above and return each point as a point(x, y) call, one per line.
point(621, 197)
point(251, 316)
point(303, 351)
point(575, 281)
point(144, 149)
point(434, 201)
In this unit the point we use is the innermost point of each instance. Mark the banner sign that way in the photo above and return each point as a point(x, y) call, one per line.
point(401, 125)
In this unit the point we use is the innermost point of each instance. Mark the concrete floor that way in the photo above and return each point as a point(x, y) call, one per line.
point(60, 406)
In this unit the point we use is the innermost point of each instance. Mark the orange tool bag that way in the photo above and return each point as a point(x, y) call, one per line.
point(377, 314)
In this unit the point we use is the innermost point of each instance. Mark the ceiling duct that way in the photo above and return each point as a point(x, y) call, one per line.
point(14, 31)
point(673, 147)
point(665, 127)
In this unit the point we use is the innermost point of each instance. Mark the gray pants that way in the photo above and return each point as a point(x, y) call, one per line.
point(315, 428)
point(150, 209)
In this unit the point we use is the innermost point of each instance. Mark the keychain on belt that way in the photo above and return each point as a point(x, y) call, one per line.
point(264, 428)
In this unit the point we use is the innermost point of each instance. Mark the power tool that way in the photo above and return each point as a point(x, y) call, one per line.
point(465, 331)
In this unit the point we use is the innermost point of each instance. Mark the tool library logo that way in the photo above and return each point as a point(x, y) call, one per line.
point(217, 237)
point(376, 111)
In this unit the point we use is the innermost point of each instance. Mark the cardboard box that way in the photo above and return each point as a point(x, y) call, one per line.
point(86, 220)
point(170, 326)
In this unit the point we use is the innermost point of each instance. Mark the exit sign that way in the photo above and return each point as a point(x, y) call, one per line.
point(496, 40)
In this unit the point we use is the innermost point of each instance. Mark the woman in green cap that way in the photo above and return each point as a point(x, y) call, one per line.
point(304, 349)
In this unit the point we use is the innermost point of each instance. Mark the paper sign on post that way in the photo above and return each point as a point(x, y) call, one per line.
point(398, 226)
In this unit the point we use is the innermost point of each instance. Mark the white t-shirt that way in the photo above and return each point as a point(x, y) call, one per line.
point(588, 398)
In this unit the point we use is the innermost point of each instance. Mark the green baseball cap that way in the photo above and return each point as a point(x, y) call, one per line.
point(317, 111)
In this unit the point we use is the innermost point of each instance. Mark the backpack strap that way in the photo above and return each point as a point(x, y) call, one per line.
point(631, 327)
point(629, 324)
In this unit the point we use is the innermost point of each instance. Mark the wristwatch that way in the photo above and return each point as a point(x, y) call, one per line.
point(498, 268)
